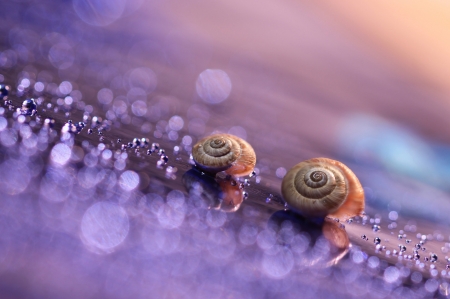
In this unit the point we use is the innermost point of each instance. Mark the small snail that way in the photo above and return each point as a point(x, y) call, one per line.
point(322, 187)
point(224, 152)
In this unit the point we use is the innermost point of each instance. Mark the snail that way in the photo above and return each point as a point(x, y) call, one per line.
point(322, 187)
point(224, 152)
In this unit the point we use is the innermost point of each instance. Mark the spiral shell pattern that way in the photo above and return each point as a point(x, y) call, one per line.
point(319, 187)
point(224, 152)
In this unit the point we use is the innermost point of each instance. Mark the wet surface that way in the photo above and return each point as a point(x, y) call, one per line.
point(102, 102)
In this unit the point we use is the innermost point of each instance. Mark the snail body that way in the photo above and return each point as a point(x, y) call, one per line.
point(224, 152)
point(217, 193)
point(322, 187)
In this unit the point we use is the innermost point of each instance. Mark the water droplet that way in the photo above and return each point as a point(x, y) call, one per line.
point(144, 142)
point(136, 142)
point(164, 159)
point(433, 257)
point(377, 240)
point(402, 248)
point(60, 154)
point(4, 90)
point(28, 107)
point(90, 131)
point(96, 121)
point(376, 227)
point(69, 127)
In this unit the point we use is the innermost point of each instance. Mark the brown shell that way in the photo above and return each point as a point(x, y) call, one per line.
point(319, 187)
point(224, 152)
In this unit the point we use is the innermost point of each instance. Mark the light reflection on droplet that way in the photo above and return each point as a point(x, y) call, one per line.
point(8, 137)
point(213, 86)
point(139, 108)
point(431, 285)
point(61, 154)
point(176, 123)
point(280, 172)
point(279, 264)
point(14, 176)
point(129, 180)
point(105, 96)
point(65, 87)
point(172, 214)
point(104, 226)
point(416, 277)
point(56, 185)
point(391, 274)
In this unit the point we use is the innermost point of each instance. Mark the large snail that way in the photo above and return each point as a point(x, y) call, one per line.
point(322, 187)
point(224, 152)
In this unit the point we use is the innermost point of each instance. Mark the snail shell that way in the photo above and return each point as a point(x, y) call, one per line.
point(224, 152)
point(319, 187)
